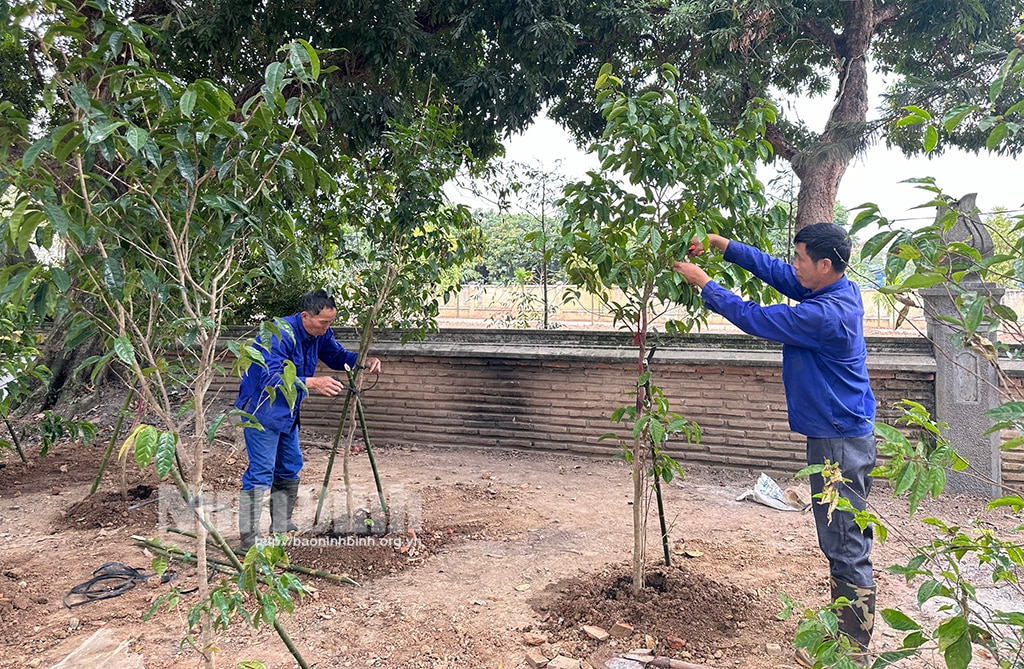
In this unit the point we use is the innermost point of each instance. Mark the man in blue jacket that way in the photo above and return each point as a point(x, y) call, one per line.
point(828, 396)
point(273, 447)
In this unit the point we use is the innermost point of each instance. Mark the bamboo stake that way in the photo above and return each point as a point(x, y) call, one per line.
point(113, 440)
point(322, 495)
point(369, 453)
point(14, 438)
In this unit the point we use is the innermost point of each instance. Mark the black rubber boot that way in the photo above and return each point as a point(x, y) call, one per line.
point(250, 508)
point(857, 621)
point(282, 503)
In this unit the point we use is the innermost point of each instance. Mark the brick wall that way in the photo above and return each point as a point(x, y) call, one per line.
point(556, 390)
point(1012, 461)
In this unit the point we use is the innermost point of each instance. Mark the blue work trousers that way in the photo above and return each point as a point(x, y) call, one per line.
point(847, 548)
point(272, 455)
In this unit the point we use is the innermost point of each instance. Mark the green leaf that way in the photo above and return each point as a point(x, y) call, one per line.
point(996, 87)
point(166, 449)
point(57, 216)
point(1013, 501)
point(905, 480)
point(910, 120)
point(952, 118)
point(997, 135)
point(107, 130)
point(125, 351)
point(60, 279)
point(274, 76)
point(928, 590)
point(919, 112)
point(32, 152)
point(974, 314)
point(19, 229)
point(136, 137)
point(922, 280)
point(958, 653)
point(187, 103)
point(186, 168)
point(891, 434)
point(931, 138)
point(899, 620)
point(113, 277)
point(314, 59)
point(657, 431)
point(215, 424)
point(80, 96)
point(1007, 412)
point(145, 445)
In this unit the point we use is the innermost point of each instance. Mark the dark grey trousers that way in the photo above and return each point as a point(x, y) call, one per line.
point(847, 548)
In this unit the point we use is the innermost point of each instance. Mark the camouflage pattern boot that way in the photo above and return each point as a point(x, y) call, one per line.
point(857, 620)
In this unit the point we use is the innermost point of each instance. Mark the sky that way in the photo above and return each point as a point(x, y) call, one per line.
point(872, 177)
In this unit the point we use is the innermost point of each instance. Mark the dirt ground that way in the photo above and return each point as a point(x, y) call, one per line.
point(488, 551)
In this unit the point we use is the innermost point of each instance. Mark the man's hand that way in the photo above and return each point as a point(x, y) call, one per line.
point(691, 273)
point(325, 385)
point(372, 365)
point(714, 241)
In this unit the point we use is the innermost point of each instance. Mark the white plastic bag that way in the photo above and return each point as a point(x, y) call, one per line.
point(766, 491)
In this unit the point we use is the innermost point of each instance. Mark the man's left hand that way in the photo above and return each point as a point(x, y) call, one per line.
point(691, 273)
point(372, 365)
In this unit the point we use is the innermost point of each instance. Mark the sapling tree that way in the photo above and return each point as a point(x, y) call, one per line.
point(397, 236)
point(149, 191)
point(666, 177)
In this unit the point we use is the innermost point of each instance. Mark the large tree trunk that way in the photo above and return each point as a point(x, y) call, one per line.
point(821, 167)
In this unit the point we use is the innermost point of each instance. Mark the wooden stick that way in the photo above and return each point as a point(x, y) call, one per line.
point(294, 568)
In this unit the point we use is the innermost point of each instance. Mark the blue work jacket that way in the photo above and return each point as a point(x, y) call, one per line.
point(824, 357)
point(302, 349)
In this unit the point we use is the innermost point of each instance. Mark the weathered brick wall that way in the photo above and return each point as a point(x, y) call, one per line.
point(556, 390)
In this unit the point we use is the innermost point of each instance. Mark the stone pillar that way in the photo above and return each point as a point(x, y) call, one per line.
point(966, 383)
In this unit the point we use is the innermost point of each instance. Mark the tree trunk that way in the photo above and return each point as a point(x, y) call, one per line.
point(822, 166)
point(65, 378)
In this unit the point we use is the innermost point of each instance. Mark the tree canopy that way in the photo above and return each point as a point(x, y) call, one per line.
point(937, 52)
point(500, 63)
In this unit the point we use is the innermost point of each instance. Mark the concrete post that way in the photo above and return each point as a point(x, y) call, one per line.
point(966, 382)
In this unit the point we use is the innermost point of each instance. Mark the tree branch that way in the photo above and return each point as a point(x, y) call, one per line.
point(783, 147)
point(822, 33)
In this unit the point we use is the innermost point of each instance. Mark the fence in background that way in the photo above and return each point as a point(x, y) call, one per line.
point(509, 306)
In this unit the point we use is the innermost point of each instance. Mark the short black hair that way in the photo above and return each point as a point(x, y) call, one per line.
point(826, 240)
point(316, 301)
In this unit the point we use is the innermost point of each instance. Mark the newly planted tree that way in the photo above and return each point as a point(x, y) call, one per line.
point(666, 177)
point(149, 191)
point(397, 236)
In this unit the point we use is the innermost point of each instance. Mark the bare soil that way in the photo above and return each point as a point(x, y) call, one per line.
point(495, 549)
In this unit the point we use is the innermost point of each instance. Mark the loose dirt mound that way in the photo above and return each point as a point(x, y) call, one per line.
point(686, 615)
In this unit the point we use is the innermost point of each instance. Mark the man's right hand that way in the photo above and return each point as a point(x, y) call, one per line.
point(325, 385)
